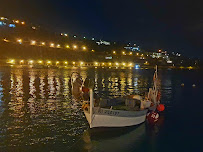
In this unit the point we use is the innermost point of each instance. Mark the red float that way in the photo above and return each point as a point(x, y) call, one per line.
point(152, 117)
point(160, 107)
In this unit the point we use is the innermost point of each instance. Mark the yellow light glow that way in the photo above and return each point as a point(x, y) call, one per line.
point(123, 52)
point(84, 48)
point(48, 62)
point(66, 62)
point(92, 50)
point(117, 63)
point(2, 18)
point(73, 62)
point(12, 61)
point(17, 21)
point(67, 46)
point(96, 63)
point(21, 61)
point(75, 46)
point(81, 63)
point(30, 61)
point(190, 67)
point(42, 43)
point(102, 63)
point(110, 63)
point(40, 61)
point(19, 40)
point(23, 23)
point(130, 53)
point(124, 64)
point(130, 64)
point(57, 62)
point(65, 34)
point(58, 46)
point(5, 40)
point(114, 52)
point(141, 54)
point(51, 44)
point(33, 42)
point(137, 53)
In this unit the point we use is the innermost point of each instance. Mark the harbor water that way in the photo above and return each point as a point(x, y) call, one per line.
point(37, 112)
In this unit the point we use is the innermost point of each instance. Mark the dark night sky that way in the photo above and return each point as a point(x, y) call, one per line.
point(153, 24)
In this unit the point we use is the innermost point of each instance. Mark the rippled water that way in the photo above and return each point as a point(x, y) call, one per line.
point(37, 113)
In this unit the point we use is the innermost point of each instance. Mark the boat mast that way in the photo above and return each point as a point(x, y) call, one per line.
point(91, 106)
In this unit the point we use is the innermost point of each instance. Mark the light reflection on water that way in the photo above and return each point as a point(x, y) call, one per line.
point(36, 107)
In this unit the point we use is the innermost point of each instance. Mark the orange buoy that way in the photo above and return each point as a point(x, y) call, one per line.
point(152, 117)
point(160, 107)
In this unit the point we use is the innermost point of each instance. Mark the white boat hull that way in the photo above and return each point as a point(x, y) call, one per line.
point(110, 118)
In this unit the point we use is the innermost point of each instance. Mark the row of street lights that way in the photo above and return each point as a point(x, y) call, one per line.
point(52, 45)
point(73, 63)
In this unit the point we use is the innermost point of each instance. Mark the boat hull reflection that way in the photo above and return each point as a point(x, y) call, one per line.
point(113, 139)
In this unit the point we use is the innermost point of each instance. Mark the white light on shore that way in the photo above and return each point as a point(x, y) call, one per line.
point(19, 40)
point(84, 48)
point(42, 43)
point(40, 61)
point(33, 42)
point(30, 61)
point(51, 44)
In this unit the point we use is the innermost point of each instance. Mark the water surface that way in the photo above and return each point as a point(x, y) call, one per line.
point(37, 112)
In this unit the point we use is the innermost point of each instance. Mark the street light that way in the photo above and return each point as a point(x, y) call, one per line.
point(12, 61)
point(33, 42)
point(58, 46)
point(51, 44)
point(42, 43)
point(19, 41)
point(21, 61)
point(75, 46)
point(30, 61)
point(48, 62)
point(67, 46)
point(84, 48)
point(40, 61)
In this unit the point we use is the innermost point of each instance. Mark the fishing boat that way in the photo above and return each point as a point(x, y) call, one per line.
point(126, 111)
